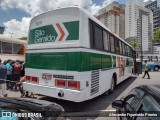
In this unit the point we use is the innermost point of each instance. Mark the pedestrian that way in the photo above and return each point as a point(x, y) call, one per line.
point(9, 73)
point(146, 70)
point(16, 72)
point(24, 93)
point(21, 87)
point(4, 62)
point(3, 71)
point(23, 69)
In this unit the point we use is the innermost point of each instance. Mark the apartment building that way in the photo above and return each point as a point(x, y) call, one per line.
point(138, 23)
point(155, 7)
point(113, 16)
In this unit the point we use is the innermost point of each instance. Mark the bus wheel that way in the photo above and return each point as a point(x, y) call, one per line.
point(156, 68)
point(112, 85)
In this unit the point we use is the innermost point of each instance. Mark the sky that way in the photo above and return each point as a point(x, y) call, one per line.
point(15, 15)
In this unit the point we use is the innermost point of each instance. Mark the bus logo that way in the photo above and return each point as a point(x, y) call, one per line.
point(56, 32)
point(46, 76)
point(41, 36)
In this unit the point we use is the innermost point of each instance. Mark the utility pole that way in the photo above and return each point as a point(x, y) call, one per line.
point(11, 34)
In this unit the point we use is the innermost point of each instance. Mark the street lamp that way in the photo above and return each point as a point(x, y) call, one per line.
point(11, 34)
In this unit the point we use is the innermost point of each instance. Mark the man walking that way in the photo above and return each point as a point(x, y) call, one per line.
point(9, 73)
point(146, 70)
point(16, 72)
point(3, 71)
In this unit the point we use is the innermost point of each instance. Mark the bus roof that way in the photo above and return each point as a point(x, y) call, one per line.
point(89, 16)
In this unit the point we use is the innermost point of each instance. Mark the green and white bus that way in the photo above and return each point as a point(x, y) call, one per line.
point(73, 56)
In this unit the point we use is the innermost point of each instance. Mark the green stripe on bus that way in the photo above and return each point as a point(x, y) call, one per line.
point(69, 61)
point(48, 33)
point(73, 30)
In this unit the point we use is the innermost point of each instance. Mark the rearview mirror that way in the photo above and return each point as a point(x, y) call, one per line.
point(117, 104)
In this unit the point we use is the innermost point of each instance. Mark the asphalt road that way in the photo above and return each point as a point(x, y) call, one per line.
point(101, 105)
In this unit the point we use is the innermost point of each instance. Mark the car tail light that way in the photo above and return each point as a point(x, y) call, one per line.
point(74, 85)
point(60, 83)
point(35, 80)
point(28, 78)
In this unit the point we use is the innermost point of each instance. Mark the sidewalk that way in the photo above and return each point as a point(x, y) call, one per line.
point(13, 93)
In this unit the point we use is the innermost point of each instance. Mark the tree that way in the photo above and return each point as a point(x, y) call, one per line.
point(156, 36)
point(23, 38)
point(133, 42)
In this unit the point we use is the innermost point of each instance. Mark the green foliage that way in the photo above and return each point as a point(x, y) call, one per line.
point(133, 42)
point(23, 38)
point(156, 36)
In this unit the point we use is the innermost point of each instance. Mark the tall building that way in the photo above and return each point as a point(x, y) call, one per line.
point(138, 23)
point(113, 16)
point(156, 49)
point(155, 7)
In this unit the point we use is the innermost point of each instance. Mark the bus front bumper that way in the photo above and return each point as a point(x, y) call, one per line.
point(68, 94)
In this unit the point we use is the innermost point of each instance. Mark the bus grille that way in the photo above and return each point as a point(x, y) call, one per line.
point(94, 82)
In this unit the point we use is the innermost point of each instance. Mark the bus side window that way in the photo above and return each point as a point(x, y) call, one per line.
point(126, 50)
point(91, 34)
point(98, 38)
point(112, 43)
point(117, 48)
point(106, 40)
point(130, 52)
point(123, 48)
point(120, 47)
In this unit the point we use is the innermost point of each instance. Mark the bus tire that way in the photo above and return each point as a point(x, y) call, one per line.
point(112, 84)
point(156, 68)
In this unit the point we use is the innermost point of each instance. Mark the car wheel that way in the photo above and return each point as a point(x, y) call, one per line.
point(156, 68)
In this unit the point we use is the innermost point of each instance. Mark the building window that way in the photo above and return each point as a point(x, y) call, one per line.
point(18, 49)
point(6, 48)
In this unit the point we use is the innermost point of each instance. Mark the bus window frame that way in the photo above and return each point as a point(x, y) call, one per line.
point(120, 46)
point(116, 42)
point(106, 40)
point(92, 26)
point(123, 44)
point(113, 43)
